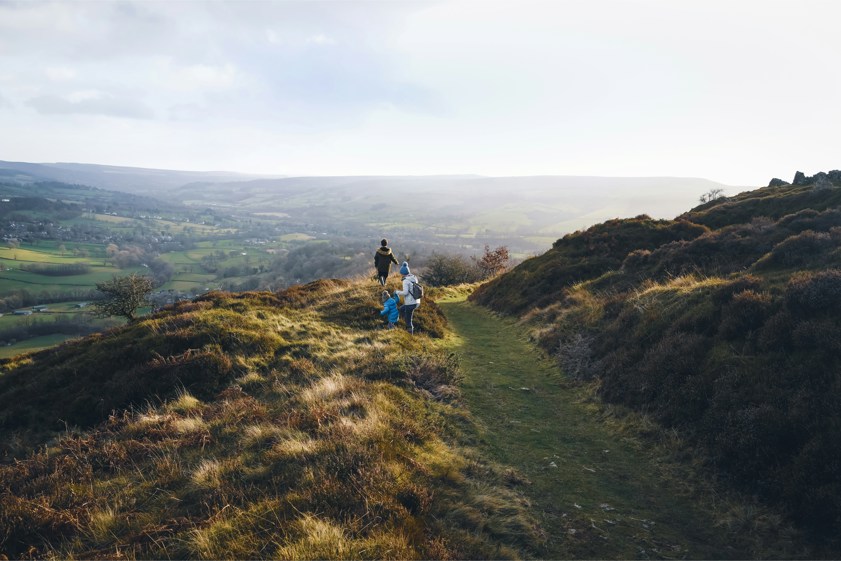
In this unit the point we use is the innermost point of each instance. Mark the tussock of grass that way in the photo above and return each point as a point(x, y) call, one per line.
point(188, 425)
point(184, 403)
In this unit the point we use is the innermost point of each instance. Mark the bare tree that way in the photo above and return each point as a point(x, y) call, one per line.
point(712, 195)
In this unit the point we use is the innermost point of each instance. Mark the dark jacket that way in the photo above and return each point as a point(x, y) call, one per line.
point(383, 259)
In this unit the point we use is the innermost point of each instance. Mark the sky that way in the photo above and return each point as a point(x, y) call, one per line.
point(734, 91)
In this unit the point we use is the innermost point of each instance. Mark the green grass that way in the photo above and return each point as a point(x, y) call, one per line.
point(15, 257)
point(598, 492)
point(33, 344)
point(8, 320)
point(296, 238)
point(14, 279)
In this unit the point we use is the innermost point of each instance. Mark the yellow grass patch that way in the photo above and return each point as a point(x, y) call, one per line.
point(188, 425)
point(208, 473)
point(184, 403)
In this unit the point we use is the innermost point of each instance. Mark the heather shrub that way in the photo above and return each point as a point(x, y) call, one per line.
point(818, 335)
point(575, 355)
point(637, 259)
point(799, 249)
point(813, 293)
point(580, 256)
point(741, 283)
point(746, 312)
point(438, 374)
point(809, 219)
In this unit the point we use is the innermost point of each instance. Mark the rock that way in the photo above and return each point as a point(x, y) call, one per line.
point(800, 178)
point(778, 183)
point(822, 183)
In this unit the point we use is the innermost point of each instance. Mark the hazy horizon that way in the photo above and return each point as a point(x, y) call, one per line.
point(733, 92)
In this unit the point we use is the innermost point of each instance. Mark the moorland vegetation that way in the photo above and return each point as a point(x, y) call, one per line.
point(721, 325)
point(287, 425)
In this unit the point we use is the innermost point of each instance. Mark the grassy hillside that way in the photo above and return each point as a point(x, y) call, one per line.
point(727, 335)
point(251, 425)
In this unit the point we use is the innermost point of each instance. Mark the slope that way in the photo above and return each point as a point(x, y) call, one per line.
point(729, 337)
point(598, 493)
point(250, 425)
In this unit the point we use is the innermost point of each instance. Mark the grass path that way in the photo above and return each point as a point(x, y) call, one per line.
point(597, 495)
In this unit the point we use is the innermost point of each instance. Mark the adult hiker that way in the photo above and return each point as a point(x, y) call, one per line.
point(383, 258)
point(411, 293)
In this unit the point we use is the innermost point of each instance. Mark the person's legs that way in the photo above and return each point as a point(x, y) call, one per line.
point(382, 277)
point(409, 313)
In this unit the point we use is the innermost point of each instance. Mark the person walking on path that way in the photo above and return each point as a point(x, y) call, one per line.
point(390, 309)
point(410, 303)
point(383, 258)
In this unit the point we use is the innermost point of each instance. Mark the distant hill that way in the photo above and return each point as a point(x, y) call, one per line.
point(721, 325)
point(139, 181)
point(524, 212)
point(81, 195)
point(534, 204)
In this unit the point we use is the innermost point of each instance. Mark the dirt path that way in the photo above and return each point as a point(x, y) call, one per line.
point(597, 495)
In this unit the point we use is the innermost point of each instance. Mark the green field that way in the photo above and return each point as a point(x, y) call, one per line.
point(34, 344)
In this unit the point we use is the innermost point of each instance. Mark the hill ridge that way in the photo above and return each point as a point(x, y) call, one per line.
point(718, 325)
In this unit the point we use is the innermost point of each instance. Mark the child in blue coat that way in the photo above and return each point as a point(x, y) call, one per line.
point(390, 309)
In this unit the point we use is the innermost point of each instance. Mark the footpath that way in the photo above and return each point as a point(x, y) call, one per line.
point(597, 494)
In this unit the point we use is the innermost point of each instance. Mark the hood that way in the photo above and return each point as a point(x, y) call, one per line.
point(384, 251)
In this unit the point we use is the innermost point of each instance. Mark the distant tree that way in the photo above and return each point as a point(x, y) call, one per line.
point(493, 262)
point(711, 195)
point(123, 296)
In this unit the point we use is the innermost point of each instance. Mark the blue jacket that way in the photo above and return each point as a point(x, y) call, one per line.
point(390, 308)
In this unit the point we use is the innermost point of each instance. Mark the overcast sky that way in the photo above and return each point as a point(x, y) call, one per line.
point(732, 91)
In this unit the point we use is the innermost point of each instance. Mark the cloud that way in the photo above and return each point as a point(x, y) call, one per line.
point(313, 65)
point(320, 39)
point(60, 73)
point(91, 103)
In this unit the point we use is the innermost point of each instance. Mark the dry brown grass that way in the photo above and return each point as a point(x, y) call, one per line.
point(329, 438)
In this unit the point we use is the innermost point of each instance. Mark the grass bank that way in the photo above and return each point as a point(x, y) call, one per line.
point(598, 491)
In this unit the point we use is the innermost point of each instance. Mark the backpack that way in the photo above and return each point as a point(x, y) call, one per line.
point(416, 290)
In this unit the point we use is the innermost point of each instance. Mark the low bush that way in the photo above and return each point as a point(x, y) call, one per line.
point(799, 249)
point(814, 293)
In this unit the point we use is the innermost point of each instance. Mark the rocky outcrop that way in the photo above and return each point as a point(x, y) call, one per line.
point(821, 180)
point(778, 183)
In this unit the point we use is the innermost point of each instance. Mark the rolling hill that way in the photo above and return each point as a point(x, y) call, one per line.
point(251, 425)
point(721, 325)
